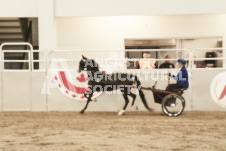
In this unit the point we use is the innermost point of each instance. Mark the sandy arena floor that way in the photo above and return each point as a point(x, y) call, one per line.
point(70, 131)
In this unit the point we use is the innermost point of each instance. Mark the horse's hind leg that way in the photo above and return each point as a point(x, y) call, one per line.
point(133, 96)
point(88, 96)
point(126, 102)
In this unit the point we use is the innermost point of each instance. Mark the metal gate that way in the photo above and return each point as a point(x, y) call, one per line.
point(16, 85)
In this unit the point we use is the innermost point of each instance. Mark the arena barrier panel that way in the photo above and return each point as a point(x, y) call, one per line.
point(39, 101)
point(21, 90)
point(204, 90)
point(16, 83)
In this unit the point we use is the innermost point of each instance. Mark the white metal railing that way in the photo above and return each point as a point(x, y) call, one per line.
point(163, 50)
point(44, 60)
point(46, 55)
point(122, 51)
point(16, 44)
point(30, 59)
point(30, 52)
point(203, 59)
point(21, 61)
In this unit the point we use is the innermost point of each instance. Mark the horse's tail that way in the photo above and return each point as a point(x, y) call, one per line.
point(141, 93)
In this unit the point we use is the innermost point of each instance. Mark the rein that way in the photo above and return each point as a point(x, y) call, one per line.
point(155, 90)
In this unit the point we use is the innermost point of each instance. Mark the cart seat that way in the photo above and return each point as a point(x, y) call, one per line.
point(180, 91)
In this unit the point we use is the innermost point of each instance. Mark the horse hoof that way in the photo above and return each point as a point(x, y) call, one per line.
point(121, 112)
point(150, 109)
point(82, 112)
point(94, 100)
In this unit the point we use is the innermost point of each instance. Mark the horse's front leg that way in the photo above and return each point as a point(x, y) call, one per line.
point(124, 93)
point(88, 95)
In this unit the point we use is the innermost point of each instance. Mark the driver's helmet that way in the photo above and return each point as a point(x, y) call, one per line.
point(181, 60)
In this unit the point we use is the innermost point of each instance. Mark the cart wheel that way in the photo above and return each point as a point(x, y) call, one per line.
point(173, 105)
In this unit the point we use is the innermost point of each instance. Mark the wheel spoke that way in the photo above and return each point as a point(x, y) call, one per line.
point(173, 105)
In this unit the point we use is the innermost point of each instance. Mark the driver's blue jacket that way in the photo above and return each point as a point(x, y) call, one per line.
point(182, 78)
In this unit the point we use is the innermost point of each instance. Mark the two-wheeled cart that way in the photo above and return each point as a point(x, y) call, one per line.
point(172, 103)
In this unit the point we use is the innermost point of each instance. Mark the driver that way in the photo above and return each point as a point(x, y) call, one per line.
point(182, 77)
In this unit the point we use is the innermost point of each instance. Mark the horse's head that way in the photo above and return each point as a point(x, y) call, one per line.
point(82, 63)
point(87, 65)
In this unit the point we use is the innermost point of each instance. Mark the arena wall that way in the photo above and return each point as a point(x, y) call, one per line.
point(109, 32)
point(62, 8)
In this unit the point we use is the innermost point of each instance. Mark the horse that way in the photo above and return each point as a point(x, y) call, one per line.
point(99, 81)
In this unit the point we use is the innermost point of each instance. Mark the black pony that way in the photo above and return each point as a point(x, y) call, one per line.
point(99, 81)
